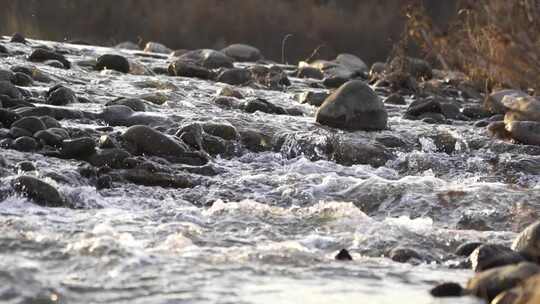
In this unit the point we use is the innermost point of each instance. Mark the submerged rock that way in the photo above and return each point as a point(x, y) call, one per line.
point(39, 191)
point(353, 107)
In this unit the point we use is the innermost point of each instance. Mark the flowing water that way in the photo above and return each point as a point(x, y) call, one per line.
point(267, 227)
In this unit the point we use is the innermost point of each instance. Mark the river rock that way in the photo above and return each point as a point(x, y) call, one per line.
point(395, 99)
point(466, 249)
point(242, 53)
point(309, 72)
point(225, 131)
point(18, 38)
point(136, 104)
point(61, 96)
point(41, 55)
point(229, 91)
point(494, 102)
point(7, 88)
point(25, 144)
point(39, 191)
point(182, 68)
point(113, 158)
point(235, 76)
point(155, 47)
point(354, 106)
point(528, 242)
point(404, 255)
point(149, 141)
point(113, 62)
point(526, 132)
point(52, 136)
point(352, 63)
point(7, 117)
point(528, 292)
point(78, 147)
point(490, 256)
point(445, 290)
point(343, 255)
point(32, 124)
point(261, 105)
point(488, 284)
point(315, 99)
point(207, 58)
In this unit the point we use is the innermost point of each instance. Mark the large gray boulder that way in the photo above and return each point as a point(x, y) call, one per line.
point(352, 62)
point(354, 106)
point(242, 52)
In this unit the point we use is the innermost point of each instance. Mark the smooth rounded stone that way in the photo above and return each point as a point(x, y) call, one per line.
point(261, 105)
point(128, 45)
point(404, 255)
point(354, 106)
point(229, 91)
point(422, 106)
point(227, 102)
point(6, 75)
point(136, 104)
point(214, 145)
point(494, 102)
point(450, 110)
point(182, 68)
point(41, 55)
point(343, 255)
point(348, 154)
point(155, 47)
point(54, 63)
point(149, 141)
point(234, 76)
point(255, 141)
point(352, 62)
point(498, 130)
point(476, 112)
point(309, 72)
point(7, 117)
point(8, 89)
point(52, 136)
point(528, 292)
point(50, 122)
point(490, 256)
point(61, 96)
point(242, 53)
point(25, 166)
point(32, 124)
point(528, 242)
point(208, 58)
point(18, 38)
point(113, 158)
point(78, 147)
point(15, 132)
point(447, 290)
point(335, 81)
point(25, 144)
point(22, 79)
point(55, 112)
point(225, 131)
point(526, 132)
point(191, 134)
point(488, 284)
point(395, 99)
point(113, 62)
point(315, 99)
point(466, 249)
point(39, 191)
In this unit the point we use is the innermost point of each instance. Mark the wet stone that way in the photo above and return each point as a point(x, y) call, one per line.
point(343, 255)
point(113, 62)
point(445, 290)
point(25, 144)
point(39, 191)
point(41, 55)
point(491, 256)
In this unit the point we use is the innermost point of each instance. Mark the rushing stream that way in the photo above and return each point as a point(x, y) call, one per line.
point(266, 227)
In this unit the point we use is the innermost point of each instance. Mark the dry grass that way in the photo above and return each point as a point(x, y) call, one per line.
point(367, 28)
point(495, 42)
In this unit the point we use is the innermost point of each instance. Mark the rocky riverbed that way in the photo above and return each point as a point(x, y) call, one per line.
point(211, 176)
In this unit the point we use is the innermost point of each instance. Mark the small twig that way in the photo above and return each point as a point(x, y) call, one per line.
point(315, 52)
point(283, 42)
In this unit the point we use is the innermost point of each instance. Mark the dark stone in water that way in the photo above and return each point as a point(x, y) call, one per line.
point(7, 88)
point(25, 166)
point(15, 132)
point(113, 158)
point(235, 76)
point(50, 122)
point(104, 182)
point(7, 117)
point(491, 256)
point(78, 147)
point(395, 99)
point(445, 290)
point(343, 255)
point(182, 68)
point(224, 131)
point(255, 141)
point(242, 52)
point(354, 106)
point(207, 58)
point(25, 144)
point(39, 191)
point(32, 124)
point(149, 178)
point(136, 104)
point(264, 106)
point(52, 136)
point(404, 255)
point(309, 72)
point(41, 55)
point(466, 249)
point(61, 96)
point(113, 62)
point(313, 98)
point(21, 79)
point(18, 38)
